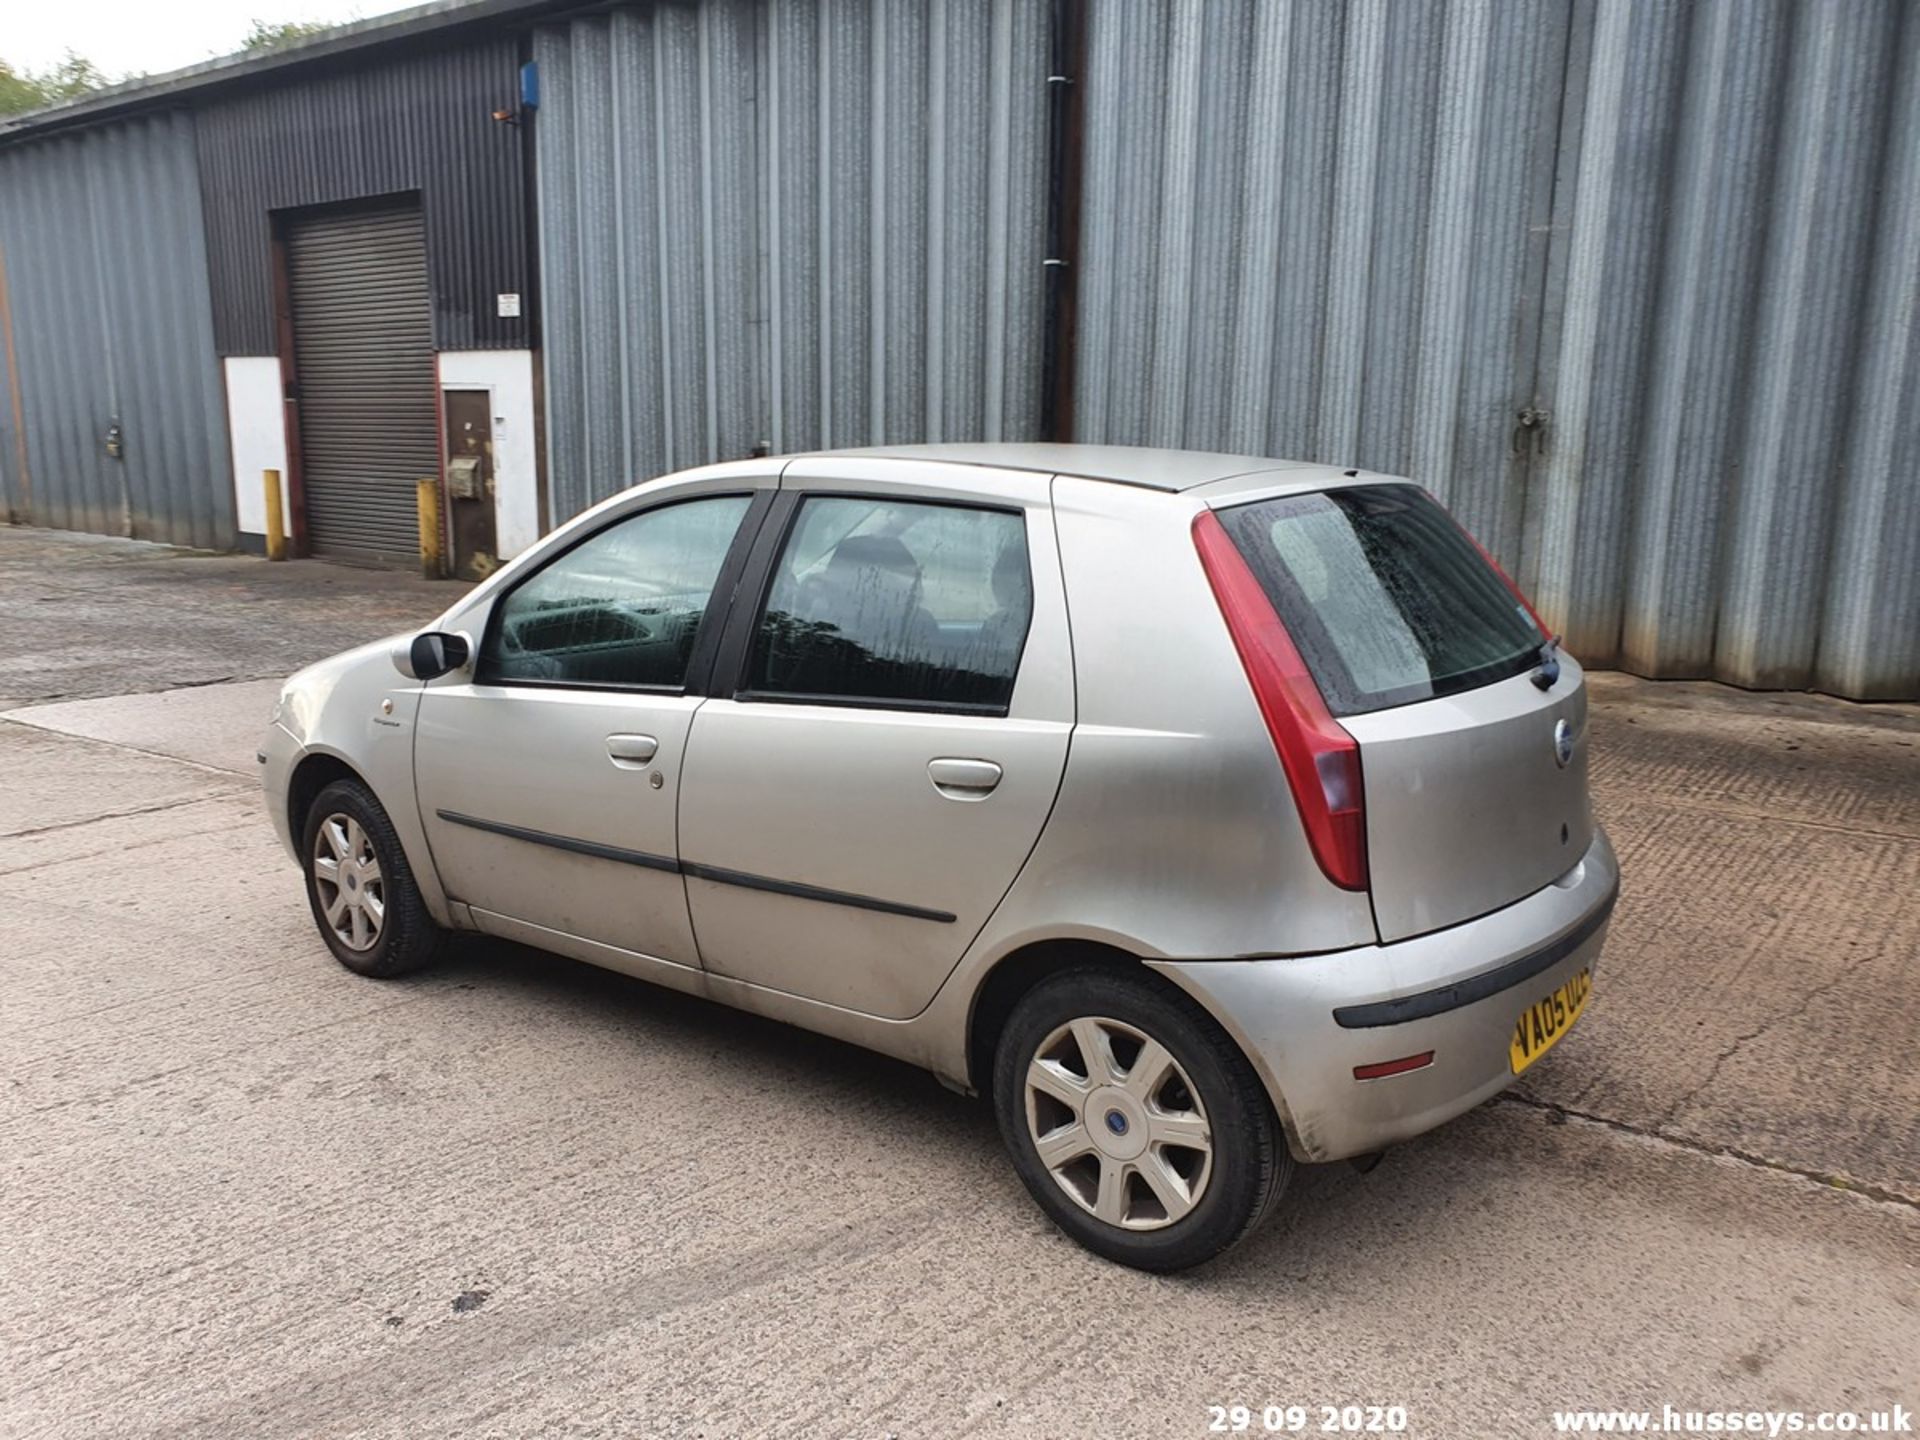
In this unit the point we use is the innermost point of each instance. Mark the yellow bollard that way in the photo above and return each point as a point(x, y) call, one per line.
point(431, 556)
point(276, 527)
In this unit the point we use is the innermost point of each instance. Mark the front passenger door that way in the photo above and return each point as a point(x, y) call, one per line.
point(548, 784)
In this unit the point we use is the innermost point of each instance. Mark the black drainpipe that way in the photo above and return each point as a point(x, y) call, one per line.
point(1066, 68)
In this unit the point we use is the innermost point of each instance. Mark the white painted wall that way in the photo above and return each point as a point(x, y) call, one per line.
point(256, 426)
point(508, 376)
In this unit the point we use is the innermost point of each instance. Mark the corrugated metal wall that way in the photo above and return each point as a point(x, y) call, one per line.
point(796, 223)
point(106, 269)
point(1370, 231)
point(1376, 232)
point(1307, 229)
point(1734, 484)
point(416, 124)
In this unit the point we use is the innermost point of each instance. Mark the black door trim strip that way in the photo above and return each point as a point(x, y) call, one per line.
point(714, 873)
point(1476, 988)
point(565, 842)
point(811, 892)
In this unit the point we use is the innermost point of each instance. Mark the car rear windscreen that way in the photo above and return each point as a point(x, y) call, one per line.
point(1386, 598)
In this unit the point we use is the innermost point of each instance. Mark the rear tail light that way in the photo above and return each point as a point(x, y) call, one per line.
point(1321, 760)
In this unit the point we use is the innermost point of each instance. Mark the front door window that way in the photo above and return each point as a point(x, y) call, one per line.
point(619, 610)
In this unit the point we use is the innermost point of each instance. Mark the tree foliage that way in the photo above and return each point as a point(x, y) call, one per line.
point(272, 34)
point(29, 89)
point(22, 90)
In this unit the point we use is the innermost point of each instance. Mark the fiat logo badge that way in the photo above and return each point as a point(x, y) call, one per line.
point(1562, 744)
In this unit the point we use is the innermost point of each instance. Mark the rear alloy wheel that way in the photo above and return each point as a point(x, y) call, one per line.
point(1135, 1122)
point(362, 892)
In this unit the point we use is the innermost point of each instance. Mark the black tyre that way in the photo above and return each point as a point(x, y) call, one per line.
point(1135, 1122)
point(361, 888)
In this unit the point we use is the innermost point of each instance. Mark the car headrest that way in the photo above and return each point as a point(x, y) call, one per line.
point(1011, 585)
point(871, 552)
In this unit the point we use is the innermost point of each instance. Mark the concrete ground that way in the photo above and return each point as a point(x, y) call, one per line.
point(90, 615)
point(246, 1193)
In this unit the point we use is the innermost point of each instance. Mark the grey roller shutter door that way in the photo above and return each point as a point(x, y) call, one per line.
point(363, 348)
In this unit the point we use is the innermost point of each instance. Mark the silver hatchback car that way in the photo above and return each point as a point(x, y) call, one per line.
point(1210, 813)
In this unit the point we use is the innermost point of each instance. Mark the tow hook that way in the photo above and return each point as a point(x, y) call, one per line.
point(1366, 1163)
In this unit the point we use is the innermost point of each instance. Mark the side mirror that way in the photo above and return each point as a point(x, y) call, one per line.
point(431, 654)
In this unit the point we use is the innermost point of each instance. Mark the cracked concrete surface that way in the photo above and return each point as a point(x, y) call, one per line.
point(90, 615)
point(247, 1193)
point(1761, 986)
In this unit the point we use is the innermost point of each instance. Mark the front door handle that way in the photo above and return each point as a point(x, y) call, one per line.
point(964, 779)
point(632, 750)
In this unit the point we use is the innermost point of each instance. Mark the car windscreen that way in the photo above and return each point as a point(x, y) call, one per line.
point(1386, 598)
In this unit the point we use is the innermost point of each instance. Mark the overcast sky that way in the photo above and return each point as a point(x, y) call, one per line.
point(123, 36)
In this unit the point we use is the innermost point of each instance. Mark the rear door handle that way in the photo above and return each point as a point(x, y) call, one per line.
point(964, 779)
point(632, 749)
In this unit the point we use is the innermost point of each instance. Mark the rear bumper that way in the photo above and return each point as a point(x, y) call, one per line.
point(1307, 1022)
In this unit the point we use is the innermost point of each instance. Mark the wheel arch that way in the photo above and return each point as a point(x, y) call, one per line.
point(1019, 971)
point(1026, 966)
point(1012, 976)
point(315, 770)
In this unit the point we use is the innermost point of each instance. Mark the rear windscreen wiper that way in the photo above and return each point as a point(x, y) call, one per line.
point(1548, 675)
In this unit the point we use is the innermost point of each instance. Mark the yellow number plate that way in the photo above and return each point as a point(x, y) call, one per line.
point(1542, 1023)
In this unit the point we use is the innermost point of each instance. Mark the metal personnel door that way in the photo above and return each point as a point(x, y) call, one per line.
point(363, 379)
point(469, 487)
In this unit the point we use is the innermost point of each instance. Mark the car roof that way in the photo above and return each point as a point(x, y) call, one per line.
point(1122, 464)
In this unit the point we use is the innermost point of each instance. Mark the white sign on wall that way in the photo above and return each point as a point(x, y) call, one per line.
point(509, 306)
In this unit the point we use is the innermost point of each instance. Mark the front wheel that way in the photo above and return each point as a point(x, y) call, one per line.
point(1134, 1121)
point(360, 887)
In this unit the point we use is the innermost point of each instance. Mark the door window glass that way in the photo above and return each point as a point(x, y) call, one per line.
point(620, 609)
point(892, 601)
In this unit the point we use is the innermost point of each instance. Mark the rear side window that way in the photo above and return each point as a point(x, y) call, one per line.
point(888, 602)
point(620, 609)
point(1387, 599)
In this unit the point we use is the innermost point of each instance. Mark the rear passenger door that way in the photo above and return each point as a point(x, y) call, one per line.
point(887, 735)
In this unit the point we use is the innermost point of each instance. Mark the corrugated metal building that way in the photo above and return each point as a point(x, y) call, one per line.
point(106, 338)
point(316, 262)
point(795, 224)
point(1633, 286)
point(419, 124)
point(305, 185)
